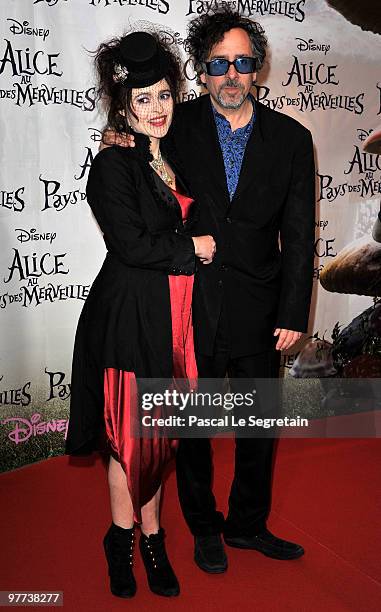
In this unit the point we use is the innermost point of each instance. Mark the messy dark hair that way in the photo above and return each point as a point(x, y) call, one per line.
point(209, 29)
point(115, 97)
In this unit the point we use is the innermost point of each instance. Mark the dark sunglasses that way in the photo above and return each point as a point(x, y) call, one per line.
point(220, 66)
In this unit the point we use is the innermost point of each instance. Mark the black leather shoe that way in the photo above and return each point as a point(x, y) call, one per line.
point(209, 553)
point(160, 575)
point(267, 544)
point(118, 544)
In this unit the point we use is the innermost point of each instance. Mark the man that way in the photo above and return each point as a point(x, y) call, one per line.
point(252, 170)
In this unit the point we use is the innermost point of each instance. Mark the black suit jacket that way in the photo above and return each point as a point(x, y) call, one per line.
point(125, 322)
point(262, 286)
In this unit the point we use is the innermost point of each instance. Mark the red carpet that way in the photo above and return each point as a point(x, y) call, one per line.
point(326, 497)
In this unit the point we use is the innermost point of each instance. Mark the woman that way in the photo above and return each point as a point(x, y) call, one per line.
point(136, 322)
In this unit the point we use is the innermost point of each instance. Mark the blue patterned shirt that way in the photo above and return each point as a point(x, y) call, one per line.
point(233, 145)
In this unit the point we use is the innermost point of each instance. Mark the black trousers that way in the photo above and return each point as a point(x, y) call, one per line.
point(250, 494)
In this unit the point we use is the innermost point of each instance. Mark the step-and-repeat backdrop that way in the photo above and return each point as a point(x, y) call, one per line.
point(321, 69)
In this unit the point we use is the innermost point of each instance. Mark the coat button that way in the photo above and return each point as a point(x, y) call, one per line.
point(228, 220)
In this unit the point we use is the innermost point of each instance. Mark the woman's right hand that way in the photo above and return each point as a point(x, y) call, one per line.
point(205, 248)
point(110, 137)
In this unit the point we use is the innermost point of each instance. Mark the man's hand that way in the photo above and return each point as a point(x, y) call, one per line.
point(205, 248)
point(286, 339)
point(110, 137)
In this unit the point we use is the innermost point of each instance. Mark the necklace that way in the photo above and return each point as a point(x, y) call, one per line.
point(159, 166)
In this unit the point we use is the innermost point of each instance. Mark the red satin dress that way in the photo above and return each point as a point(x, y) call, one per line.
point(144, 459)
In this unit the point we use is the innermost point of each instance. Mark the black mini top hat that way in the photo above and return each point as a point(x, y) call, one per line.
point(142, 61)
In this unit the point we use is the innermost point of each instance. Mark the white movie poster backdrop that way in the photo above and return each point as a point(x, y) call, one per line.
point(321, 70)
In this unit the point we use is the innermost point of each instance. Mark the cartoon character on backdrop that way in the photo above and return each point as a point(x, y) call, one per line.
point(356, 269)
point(366, 14)
point(356, 350)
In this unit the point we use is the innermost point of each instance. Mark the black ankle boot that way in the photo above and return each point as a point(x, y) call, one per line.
point(119, 544)
point(160, 575)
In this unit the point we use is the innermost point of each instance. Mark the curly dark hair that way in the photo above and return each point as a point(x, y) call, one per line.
point(209, 29)
point(115, 97)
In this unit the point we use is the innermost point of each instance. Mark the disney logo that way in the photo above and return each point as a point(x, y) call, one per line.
point(32, 234)
point(310, 45)
point(95, 134)
point(191, 94)
point(25, 428)
point(172, 38)
point(363, 134)
point(23, 28)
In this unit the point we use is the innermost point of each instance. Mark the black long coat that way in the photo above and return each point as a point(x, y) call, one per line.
point(126, 320)
point(263, 287)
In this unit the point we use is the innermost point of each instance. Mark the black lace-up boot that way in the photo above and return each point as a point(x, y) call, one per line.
point(160, 575)
point(119, 544)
